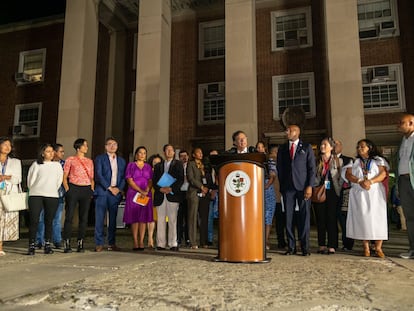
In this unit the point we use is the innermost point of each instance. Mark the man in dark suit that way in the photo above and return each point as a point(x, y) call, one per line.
point(168, 198)
point(109, 185)
point(296, 169)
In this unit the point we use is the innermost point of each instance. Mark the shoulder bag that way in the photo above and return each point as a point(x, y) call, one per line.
point(13, 202)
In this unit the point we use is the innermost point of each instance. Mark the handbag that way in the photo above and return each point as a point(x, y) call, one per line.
point(13, 202)
point(319, 194)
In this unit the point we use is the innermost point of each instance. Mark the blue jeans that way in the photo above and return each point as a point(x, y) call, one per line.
point(213, 205)
point(56, 225)
point(103, 203)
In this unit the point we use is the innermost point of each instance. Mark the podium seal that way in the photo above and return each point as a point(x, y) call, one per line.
point(237, 183)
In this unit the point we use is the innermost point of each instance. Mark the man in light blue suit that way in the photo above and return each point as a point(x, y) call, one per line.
point(109, 187)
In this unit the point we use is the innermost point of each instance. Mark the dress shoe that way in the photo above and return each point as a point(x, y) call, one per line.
point(159, 248)
point(174, 249)
point(380, 253)
point(98, 248)
point(409, 255)
point(306, 253)
point(114, 248)
point(290, 252)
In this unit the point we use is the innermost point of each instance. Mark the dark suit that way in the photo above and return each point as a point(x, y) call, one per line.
point(167, 204)
point(294, 176)
point(104, 199)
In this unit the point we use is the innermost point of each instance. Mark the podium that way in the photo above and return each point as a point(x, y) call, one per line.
point(241, 207)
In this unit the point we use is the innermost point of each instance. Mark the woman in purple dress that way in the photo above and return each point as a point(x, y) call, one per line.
point(139, 178)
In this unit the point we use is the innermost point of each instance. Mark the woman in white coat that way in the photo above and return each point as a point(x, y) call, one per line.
point(10, 178)
point(367, 211)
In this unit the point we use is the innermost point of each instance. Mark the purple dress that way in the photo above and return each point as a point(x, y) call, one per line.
point(134, 212)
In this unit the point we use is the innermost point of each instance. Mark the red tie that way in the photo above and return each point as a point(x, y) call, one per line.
point(292, 150)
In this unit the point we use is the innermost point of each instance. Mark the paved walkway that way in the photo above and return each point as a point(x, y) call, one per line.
point(191, 280)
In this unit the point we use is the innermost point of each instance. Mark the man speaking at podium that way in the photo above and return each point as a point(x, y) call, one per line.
point(240, 143)
point(296, 169)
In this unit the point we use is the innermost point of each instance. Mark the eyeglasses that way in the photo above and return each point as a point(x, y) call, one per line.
point(112, 144)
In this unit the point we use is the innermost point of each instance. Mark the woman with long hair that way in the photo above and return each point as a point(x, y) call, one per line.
point(328, 172)
point(43, 180)
point(10, 178)
point(367, 211)
point(139, 179)
point(198, 196)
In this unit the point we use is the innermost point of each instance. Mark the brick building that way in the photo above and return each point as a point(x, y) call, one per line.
point(192, 72)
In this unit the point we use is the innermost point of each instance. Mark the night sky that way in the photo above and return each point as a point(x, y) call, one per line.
point(12, 11)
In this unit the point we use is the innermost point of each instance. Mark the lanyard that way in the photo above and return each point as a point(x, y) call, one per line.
point(366, 167)
point(3, 167)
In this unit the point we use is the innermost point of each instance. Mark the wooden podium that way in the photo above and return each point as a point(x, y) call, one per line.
point(241, 207)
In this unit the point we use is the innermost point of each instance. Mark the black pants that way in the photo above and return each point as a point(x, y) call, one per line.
point(36, 205)
point(203, 209)
point(280, 225)
point(77, 195)
point(182, 225)
point(326, 220)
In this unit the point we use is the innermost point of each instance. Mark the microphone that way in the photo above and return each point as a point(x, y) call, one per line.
point(251, 149)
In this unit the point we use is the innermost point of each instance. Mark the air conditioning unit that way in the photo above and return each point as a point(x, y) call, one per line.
point(380, 74)
point(22, 130)
point(387, 29)
point(21, 77)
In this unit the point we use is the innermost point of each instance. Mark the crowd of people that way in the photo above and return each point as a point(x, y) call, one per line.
point(178, 197)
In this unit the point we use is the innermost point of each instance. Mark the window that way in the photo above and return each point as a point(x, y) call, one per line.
point(31, 66)
point(382, 88)
point(27, 120)
point(211, 103)
point(293, 90)
point(377, 18)
point(291, 29)
point(211, 40)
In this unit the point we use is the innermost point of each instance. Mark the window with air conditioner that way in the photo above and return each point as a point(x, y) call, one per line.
point(211, 103)
point(292, 91)
point(27, 120)
point(291, 29)
point(31, 67)
point(383, 89)
point(211, 40)
point(377, 19)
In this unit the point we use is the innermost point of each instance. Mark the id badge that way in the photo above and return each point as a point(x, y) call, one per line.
point(2, 185)
point(204, 180)
point(327, 184)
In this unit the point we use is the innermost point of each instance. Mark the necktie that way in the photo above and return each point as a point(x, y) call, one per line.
point(292, 150)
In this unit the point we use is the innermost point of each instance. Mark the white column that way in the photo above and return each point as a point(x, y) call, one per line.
point(344, 68)
point(153, 75)
point(77, 85)
point(116, 86)
point(241, 80)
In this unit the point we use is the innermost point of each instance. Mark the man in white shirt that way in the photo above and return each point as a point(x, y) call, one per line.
point(406, 177)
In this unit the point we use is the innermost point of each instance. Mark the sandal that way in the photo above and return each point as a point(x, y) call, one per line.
point(2, 253)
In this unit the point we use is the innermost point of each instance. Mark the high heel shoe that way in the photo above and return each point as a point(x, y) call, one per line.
point(367, 252)
point(380, 253)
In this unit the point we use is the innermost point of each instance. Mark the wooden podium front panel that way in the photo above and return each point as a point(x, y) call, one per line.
point(241, 218)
